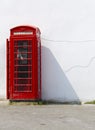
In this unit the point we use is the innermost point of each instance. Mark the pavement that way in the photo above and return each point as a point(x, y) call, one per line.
point(47, 117)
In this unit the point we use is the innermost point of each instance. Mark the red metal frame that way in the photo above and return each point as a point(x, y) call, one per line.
point(19, 88)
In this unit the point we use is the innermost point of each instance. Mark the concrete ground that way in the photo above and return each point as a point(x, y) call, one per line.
point(47, 117)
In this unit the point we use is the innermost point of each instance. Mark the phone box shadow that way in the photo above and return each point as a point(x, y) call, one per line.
point(55, 85)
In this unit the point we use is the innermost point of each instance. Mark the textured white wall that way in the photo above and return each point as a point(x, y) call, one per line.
point(68, 44)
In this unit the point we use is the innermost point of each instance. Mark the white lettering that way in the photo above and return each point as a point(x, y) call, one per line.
point(23, 33)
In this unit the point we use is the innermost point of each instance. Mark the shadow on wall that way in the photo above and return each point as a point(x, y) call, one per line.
point(55, 85)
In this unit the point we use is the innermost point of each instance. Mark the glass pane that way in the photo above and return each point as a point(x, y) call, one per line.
point(22, 52)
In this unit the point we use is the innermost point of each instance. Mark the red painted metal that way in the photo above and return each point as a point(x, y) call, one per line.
point(24, 64)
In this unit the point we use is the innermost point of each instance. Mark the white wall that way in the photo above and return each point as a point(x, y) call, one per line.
point(68, 45)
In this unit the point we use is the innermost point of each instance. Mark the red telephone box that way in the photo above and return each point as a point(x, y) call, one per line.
point(24, 64)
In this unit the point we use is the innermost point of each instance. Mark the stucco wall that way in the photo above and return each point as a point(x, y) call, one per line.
point(68, 45)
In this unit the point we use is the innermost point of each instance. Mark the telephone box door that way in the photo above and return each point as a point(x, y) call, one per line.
point(23, 72)
point(24, 64)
